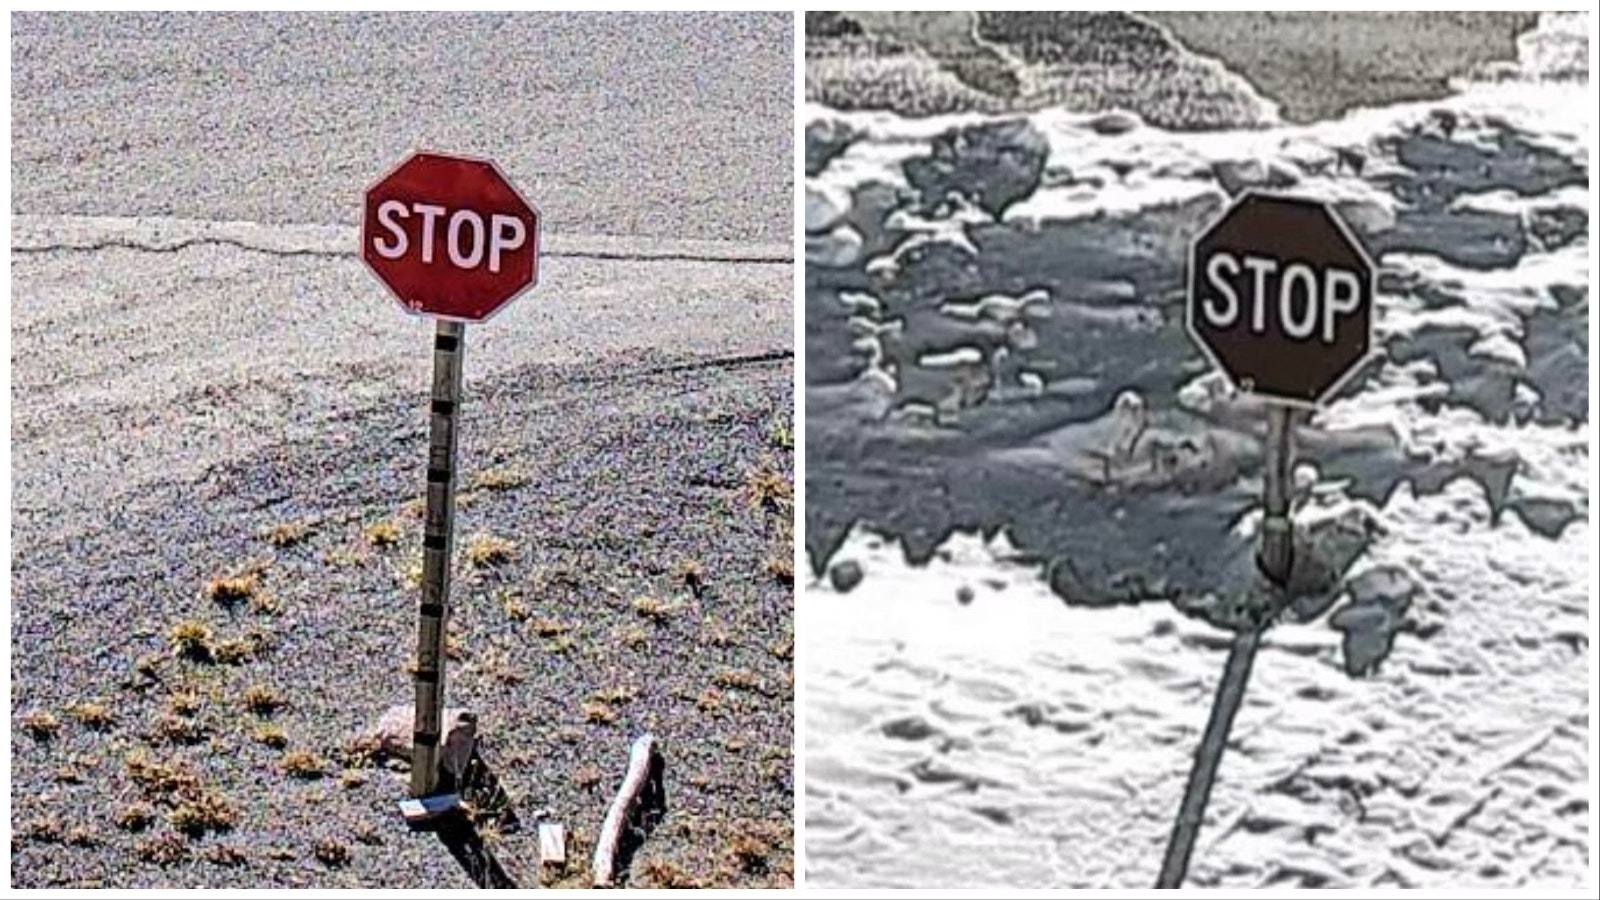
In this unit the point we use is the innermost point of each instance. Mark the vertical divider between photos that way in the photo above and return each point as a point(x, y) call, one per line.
point(800, 566)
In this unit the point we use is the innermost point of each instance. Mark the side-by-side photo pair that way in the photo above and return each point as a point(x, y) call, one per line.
point(801, 450)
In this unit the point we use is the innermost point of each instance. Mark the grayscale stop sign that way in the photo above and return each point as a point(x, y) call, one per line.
point(1280, 298)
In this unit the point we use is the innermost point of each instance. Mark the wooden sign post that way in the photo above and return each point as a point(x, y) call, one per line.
point(452, 240)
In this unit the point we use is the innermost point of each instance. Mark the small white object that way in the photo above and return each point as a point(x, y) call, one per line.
point(640, 760)
point(552, 843)
point(391, 734)
point(424, 809)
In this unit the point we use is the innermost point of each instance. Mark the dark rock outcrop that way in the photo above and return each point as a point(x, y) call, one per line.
point(824, 141)
point(993, 165)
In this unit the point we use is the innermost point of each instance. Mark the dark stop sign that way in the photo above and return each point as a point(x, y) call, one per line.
point(450, 237)
point(1280, 298)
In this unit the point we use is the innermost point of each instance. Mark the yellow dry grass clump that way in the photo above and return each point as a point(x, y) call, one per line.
point(262, 699)
point(765, 488)
point(302, 764)
point(487, 550)
point(227, 589)
point(289, 533)
point(41, 724)
point(654, 608)
point(502, 479)
point(382, 534)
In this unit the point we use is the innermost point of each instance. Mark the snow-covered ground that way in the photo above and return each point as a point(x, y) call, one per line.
point(1003, 407)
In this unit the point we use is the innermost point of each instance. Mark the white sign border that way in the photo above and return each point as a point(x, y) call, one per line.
point(538, 223)
point(1189, 301)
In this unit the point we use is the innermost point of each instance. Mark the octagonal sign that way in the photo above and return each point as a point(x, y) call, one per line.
point(450, 237)
point(1280, 298)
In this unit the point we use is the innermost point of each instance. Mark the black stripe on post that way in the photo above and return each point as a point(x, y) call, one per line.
point(443, 407)
point(438, 476)
point(428, 676)
point(446, 342)
point(433, 610)
point(433, 541)
point(425, 739)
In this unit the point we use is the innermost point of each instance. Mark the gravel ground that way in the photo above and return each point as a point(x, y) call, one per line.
point(206, 385)
point(613, 503)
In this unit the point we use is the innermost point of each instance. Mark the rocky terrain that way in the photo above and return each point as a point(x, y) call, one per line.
point(1297, 66)
point(929, 64)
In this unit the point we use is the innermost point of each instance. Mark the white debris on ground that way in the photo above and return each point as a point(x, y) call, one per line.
point(390, 736)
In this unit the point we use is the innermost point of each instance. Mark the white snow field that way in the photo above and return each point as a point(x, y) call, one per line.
point(1013, 693)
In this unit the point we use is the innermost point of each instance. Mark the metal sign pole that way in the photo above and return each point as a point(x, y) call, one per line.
point(1276, 558)
point(1277, 532)
point(1230, 693)
point(437, 546)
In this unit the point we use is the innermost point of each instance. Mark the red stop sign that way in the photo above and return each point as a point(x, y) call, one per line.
point(450, 237)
